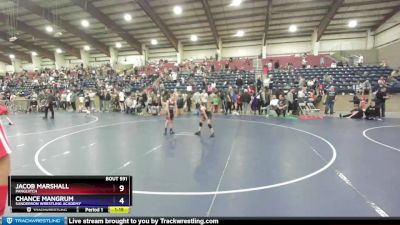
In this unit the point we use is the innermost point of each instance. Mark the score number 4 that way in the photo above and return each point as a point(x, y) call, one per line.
point(121, 189)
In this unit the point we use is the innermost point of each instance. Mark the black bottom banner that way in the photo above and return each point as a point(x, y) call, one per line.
point(215, 221)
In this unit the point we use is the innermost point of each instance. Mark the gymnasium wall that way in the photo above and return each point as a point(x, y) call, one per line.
point(390, 54)
point(387, 41)
point(154, 54)
point(241, 49)
point(343, 42)
point(199, 52)
point(290, 45)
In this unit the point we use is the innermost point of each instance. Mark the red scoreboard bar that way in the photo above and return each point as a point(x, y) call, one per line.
point(90, 194)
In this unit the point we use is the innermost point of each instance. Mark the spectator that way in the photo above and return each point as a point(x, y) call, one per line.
point(372, 112)
point(121, 97)
point(302, 82)
point(360, 60)
point(215, 102)
point(180, 103)
point(239, 82)
point(330, 97)
point(92, 96)
point(245, 100)
point(49, 104)
point(356, 113)
point(196, 99)
point(63, 101)
point(381, 96)
point(129, 104)
point(255, 100)
point(321, 61)
point(259, 83)
point(395, 73)
point(282, 106)
point(270, 65)
point(304, 62)
point(366, 87)
point(277, 65)
point(189, 102)
point(239, 102)
point(290, 99)
point(72, 100)
point(382, 82)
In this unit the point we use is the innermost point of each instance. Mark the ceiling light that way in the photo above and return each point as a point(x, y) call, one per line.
point(34, 54)
point(352, 23)
point(118, 45)
point(49, 29)
point(85, 23)
point(86, 48)
point(177, 10)
point(193, 37)
point(127, 17)
point(292, 28)
point(59, 51)
point(154, 41)
point(58, 34)
point(236, 2)
point(12, 56)
point(239, 33)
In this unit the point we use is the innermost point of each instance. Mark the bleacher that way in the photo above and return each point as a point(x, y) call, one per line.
point(221, 79)
point(343, 78)
point(296, 60)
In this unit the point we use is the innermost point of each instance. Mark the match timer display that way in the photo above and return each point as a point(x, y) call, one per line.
point(77, 194)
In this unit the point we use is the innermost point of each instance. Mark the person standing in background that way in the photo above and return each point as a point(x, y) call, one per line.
point(245, 100)
point(381, 96)
point(330, 100)
point(322, 61)
point(73, 98)
point(189, 101)
point(49, 105)
point(121, 98)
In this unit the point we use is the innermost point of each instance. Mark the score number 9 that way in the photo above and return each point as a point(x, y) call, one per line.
point(121, 189)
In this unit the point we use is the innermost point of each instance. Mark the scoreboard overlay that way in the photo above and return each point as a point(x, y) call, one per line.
point(75, 194)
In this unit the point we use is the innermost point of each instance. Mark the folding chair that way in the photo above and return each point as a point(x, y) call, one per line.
point(312, 107)
point(303, 108)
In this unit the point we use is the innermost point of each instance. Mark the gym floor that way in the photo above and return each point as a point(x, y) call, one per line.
point(255, 166)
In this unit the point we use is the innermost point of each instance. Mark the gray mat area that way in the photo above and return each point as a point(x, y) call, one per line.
point(253, 167)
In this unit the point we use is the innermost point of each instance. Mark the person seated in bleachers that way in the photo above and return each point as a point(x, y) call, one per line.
point(270, 65)
point(311, 96)
point(372, 112)
point(282, 106)
point(382, 81)
point(357, 88)
point(129, 104)
point(395, 73)
point(304, 62)
point(366, 87)
point(277, 65)
point(392, 80)
point(301, 94)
